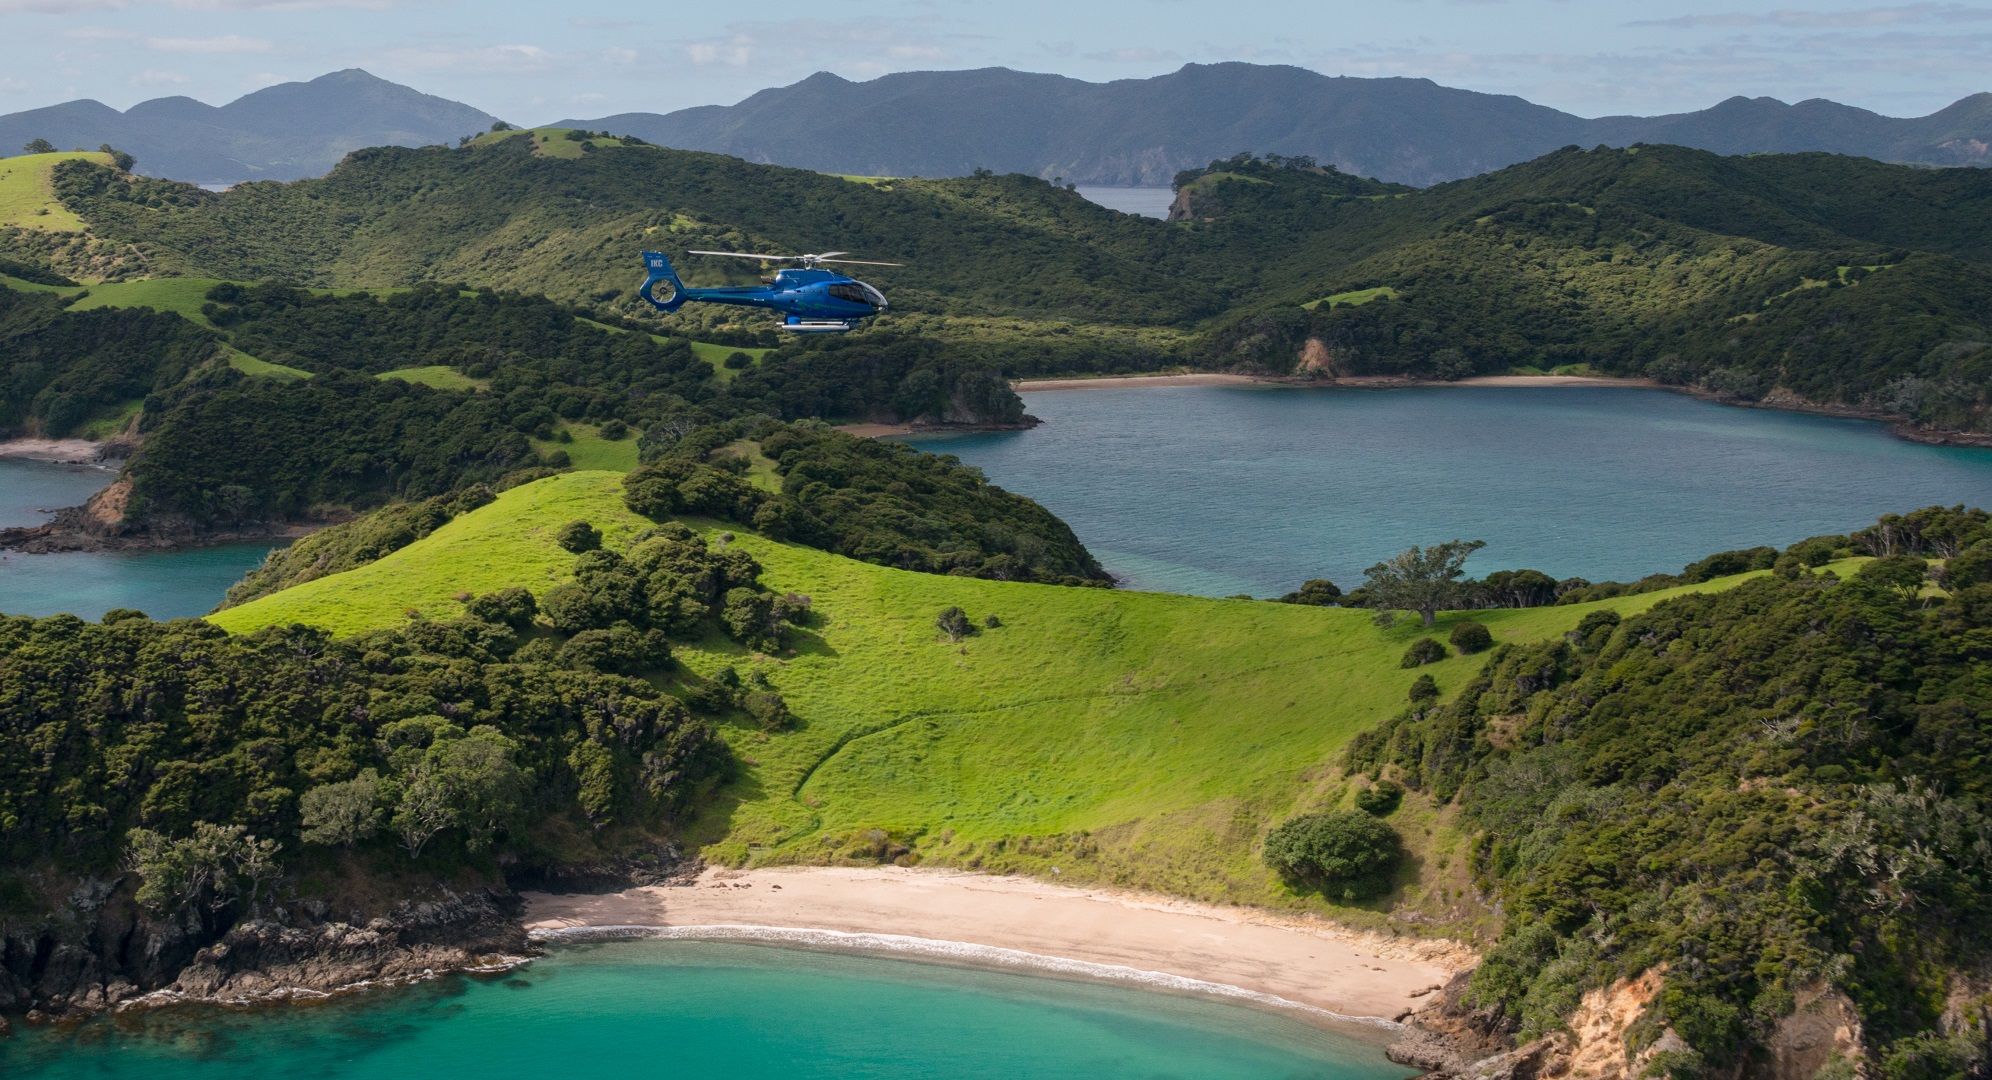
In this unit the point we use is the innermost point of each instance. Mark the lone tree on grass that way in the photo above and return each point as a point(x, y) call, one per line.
point(1424, 580)
point(38, 146)
point(1347, 854)
point(953, 622)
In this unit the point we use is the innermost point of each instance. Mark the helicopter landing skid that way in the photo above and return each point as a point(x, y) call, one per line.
point(796, 325)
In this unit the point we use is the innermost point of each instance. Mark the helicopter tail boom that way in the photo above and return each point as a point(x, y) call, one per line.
point(658, 268)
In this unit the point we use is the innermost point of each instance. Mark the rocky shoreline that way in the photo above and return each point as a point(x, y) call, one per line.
point(100, 525)
point(102, 953)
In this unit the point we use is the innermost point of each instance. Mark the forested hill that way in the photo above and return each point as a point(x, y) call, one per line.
point(1792, 278)
point(1142, 131)
point(1764, 800)
point(1786, 279)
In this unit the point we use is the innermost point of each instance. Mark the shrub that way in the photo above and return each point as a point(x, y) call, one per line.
point(1424, 691)
point(991, 622)
point(768, 709)
point(1345, 853)
point(1972, 566)
point(1380, 798)
point(513, 607)
point(1423, 651)
point(579, 536)
point(1314, 592)
point(1471, 637)
point(1818, 550)
point(953, 622)
point(614, 430)
point(1594, 630)
point(737, 361)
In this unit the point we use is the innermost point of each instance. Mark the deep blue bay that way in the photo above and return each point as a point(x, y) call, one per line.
point(709, 1009)
point(1220, 490)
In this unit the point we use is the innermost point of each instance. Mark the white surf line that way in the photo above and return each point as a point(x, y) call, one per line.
point(958, 951)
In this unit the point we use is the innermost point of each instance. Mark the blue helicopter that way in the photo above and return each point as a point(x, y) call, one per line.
point(813, 300)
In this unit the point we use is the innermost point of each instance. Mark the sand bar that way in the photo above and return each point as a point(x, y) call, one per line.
point(61, 451)
point(1310, 962)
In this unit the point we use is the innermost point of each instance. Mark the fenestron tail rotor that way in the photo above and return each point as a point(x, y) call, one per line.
point(807, 261)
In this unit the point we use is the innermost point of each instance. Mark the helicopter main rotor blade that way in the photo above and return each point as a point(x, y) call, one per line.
point(861, 262)
point(824, 255)
point(748, 255)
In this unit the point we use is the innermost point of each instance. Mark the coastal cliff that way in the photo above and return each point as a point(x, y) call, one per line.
point(101, 950)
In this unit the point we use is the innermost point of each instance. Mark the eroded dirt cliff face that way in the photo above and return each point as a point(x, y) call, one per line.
point(1823, 1027)
point(1454, 1041)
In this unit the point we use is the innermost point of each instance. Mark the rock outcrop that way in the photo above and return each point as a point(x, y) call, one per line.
point(262, 959)
point(101, 950)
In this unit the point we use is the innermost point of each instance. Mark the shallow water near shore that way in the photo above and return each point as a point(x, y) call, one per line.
point(163, 584)
point(1219, 490)
point(696, 1008)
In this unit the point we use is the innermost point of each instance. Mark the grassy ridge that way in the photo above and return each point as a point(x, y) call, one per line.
point(250, 365)
point(1139, 738)
point(178, 296)
point(27, 198)
point(439, 376)
point(588, 450)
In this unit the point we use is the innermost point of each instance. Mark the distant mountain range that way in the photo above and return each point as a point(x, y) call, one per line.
point(1144, 131)
point(285, 132)
point(948, 123)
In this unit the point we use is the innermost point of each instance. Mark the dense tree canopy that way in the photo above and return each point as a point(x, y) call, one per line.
point(1758, 788)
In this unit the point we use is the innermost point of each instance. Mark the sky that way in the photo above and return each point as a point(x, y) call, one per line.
point(535, 62)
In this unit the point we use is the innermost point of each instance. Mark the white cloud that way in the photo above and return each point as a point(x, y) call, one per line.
point(619, 55)
point(156, 77)
point(224, 44)
point(281, 5)
point(863, 47)
point(1805, 19)
point(1136, 55)
point(735, 53)
point(490, 59)
point(60, 7)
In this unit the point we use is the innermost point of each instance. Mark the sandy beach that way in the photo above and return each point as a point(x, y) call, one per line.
point(1194, 378)
point(1365, 382)
point(62, 451)
point(1307, 962)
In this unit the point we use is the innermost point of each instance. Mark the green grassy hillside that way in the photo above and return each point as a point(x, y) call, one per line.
point(27, 194)
point(1139, 738)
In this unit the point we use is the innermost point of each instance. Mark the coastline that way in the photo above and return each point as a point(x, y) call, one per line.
point(54, 451)
point(1777, 402)
point(1356, 382)
point(1308, 966)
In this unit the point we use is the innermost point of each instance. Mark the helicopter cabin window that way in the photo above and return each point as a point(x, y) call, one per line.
point(851, 291)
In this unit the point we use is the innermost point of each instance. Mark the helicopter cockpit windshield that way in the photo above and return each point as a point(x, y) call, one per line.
point(857, 292)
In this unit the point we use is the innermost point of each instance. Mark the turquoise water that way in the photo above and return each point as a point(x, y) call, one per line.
point(163, 584)
point(1226, 490)
point(709, 1009)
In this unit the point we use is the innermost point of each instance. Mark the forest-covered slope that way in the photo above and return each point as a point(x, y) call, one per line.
point(1795, 278)
point(1756, 793)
